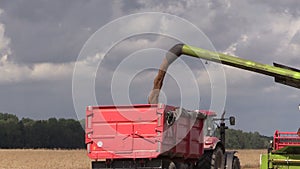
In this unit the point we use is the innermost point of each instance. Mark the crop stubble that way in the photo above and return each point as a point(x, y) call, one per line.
point(77, 159)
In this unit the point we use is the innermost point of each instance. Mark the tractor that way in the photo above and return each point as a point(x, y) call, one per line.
point(156, 136)
point(215, 154)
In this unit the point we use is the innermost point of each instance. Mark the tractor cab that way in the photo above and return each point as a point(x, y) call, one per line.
point(212, 136)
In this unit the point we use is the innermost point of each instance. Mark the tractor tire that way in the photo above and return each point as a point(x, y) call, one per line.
point(211, 160)
point(236, 163)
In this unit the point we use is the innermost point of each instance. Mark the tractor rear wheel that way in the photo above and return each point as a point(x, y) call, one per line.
point(212, 159)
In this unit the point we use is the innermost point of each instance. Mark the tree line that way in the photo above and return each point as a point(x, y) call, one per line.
point(238, 139)
point(51, 133)
point(69, 134)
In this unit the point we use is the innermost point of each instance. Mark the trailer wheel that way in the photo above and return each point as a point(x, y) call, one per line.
point(236, 163)
point(212, 160)
point(172, 165)
point(179, 165)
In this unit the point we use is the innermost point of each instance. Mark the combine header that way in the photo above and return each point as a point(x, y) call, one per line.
point(284, 152)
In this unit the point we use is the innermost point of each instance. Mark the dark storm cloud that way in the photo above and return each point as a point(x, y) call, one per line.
point(43, 31)
point(51, 31)
point(296, 38)
point(278, 6)
point(45, 34)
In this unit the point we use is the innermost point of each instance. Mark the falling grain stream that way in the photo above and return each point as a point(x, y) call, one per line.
point(170, 57)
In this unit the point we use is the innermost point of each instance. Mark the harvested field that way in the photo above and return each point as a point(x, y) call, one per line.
point(250, 158)
point(77, 159)
point(44, 159)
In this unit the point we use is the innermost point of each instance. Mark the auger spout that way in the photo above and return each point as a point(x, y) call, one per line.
point(282, 74)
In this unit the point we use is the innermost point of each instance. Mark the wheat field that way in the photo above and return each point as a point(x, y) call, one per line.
point(77, 159)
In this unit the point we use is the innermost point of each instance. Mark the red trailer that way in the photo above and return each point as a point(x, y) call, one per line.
point(144, 136)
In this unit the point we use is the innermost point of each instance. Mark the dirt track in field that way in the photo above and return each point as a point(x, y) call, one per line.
point(77, 159)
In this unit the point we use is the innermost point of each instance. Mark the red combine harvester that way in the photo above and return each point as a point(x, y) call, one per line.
point(152, 136)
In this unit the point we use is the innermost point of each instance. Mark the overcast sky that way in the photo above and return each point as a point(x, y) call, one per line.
point(40, 41)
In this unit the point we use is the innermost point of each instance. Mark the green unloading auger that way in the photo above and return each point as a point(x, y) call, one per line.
point(282, 74)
